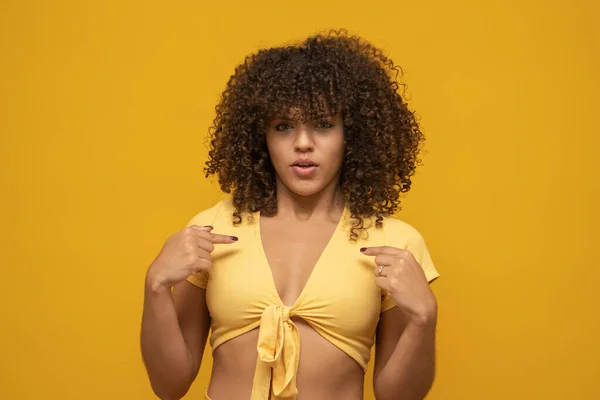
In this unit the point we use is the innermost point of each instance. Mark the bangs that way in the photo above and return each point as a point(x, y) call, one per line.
point(303, 89)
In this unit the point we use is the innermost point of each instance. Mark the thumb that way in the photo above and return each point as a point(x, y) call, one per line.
point(205, 228)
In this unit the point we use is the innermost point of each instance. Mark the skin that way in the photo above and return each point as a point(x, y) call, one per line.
point(175, 326)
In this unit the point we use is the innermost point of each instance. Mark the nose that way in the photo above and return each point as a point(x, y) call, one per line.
point(304, 139)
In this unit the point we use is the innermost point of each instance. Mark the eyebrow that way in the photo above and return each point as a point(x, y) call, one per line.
point(289, 118)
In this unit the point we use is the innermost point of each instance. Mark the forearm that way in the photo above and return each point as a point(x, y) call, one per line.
point(409, 372)
point(167, 357)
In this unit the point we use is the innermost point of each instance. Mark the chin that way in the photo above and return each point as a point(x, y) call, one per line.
point(305, 189)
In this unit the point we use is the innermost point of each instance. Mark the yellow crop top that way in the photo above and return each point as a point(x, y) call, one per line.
point(344, 308)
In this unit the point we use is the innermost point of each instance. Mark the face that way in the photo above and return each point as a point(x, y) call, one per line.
point(308, 155)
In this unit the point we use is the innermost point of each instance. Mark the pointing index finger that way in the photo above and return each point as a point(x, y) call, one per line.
point(216, 238)
point(376, 250)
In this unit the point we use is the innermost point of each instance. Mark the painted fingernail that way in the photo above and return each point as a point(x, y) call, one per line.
point(362, 249)
point(234, 238)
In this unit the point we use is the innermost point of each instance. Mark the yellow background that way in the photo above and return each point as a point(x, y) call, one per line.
point(103, 114)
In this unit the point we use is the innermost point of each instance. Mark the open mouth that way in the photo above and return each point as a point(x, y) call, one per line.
point(305, 164)
point(304, 168)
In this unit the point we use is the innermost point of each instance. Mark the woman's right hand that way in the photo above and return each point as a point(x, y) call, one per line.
point(185, 253)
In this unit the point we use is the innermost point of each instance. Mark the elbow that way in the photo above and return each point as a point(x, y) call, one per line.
point(170, 389)
point(391, 395)
point(169, 393)
point(170, 383)
point(402, 392)
point(400, 396)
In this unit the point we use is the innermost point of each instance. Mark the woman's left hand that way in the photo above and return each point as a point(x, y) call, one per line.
point(402, 278)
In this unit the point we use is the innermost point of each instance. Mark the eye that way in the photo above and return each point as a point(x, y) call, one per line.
point(323, 125)
point(283, 127)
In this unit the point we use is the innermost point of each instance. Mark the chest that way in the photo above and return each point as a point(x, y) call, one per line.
point(317, 269)
point(293, 253)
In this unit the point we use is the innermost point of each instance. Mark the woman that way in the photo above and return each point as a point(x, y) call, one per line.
point(303, 267)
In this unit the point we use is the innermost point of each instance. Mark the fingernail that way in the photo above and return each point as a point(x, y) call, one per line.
point(208, 226)
point(234, 238)
point(362, 249)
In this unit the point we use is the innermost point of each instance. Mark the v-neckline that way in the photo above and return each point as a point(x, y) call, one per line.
point(269, 270)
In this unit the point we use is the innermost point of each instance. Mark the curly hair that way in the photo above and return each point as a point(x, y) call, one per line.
point(333, 71)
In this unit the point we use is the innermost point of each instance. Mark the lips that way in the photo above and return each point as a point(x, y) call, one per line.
point(304, 168)
point(305, 163)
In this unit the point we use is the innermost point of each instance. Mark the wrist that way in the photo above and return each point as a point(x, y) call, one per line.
point(155, 284)
point(426, 317)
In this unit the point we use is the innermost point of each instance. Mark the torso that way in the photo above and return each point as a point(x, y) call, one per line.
point(292, 251)
point(324, 372)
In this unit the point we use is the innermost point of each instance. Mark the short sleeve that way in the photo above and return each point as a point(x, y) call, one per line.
point(417, 246)
point(199, 279)
point(206, 217)
point(419, 249)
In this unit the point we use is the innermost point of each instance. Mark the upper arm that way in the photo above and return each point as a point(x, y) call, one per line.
point(194, 319)
point(391, 326)
point(393, 320)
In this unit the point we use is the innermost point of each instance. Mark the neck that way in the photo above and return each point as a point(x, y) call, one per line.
point(328, 203)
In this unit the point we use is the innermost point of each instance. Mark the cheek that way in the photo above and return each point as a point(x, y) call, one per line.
point(274, 149)
point(336, 149)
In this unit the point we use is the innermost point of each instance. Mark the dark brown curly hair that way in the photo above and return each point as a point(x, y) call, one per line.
point(333, 71)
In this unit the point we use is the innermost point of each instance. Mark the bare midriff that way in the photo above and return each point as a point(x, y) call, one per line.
point(324, 372)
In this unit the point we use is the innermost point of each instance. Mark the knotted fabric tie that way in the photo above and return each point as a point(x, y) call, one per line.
point(278, 354)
